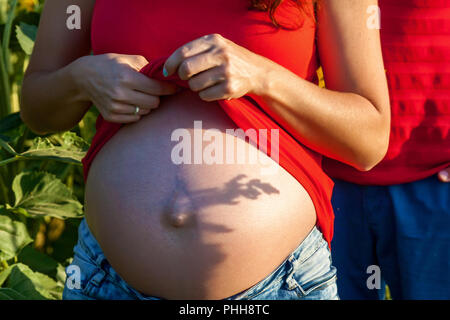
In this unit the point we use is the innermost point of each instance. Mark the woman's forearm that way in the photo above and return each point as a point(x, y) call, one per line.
point(343, 126)
point(52, 101)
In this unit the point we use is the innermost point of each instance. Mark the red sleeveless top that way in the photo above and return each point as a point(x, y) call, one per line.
point(415, 36)
point(154, 30)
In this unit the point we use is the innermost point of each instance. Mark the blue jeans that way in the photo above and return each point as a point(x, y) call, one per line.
point(307, 273)
point(402, 229)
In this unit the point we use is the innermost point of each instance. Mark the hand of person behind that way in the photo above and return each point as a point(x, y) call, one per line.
point(444, 175)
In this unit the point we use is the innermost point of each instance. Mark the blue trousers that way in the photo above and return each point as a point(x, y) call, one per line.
point(402, 230)
point(306, 274)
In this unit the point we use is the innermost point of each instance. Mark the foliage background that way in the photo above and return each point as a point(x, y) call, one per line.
point(41, 181)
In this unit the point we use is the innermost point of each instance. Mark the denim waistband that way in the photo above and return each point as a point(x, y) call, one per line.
point(88, 243)
point(313, 241)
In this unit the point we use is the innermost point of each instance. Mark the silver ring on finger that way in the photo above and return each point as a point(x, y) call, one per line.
point(136, 110)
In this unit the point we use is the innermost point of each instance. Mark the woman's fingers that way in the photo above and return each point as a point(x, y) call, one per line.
point(220, 91)
point(123, 113)
point(126, 115)
point(123, 108)
point(190, 49)
point(235, 71)
point(133, 97)
point(137, 61)
point(121, 118)
point(206, 79)
point(197, 64)
point(141, 82)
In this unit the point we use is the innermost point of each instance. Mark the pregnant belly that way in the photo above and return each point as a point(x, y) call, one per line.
point(191, 231)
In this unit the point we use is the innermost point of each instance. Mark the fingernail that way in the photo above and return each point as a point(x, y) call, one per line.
point(165, 73)
point(444, 175)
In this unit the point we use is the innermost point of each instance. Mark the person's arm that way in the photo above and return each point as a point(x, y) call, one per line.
point(50, 99)
point(349, 121)
point(63, 80)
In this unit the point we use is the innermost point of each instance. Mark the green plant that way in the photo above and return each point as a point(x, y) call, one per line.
point(37, 179)
point(41, 178)
point(17, 32)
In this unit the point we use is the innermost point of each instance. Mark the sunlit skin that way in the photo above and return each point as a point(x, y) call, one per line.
point(444, 175)
point(185, 235)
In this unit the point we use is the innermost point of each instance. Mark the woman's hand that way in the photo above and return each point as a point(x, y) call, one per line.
point(218, 68)
point(113, 83)
point(444, 175)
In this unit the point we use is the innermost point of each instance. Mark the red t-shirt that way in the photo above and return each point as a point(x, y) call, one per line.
point(155, 29)
point(415, 36)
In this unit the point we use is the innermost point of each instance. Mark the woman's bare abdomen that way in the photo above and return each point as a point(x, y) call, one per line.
point(191, 231)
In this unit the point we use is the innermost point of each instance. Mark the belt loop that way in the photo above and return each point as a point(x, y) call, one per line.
point(98, 277)
point(291, 258)
point(99, 260)
point(290, 281)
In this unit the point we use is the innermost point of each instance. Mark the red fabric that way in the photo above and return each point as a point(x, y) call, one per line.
point(301, 162)
point(415, 37)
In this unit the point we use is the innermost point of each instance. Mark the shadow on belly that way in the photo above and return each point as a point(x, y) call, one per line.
point(183, 203)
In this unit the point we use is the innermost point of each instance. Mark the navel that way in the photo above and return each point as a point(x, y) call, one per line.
point(178, 219)
point(179, 210)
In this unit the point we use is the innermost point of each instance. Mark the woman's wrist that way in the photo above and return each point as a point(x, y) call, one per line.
point(269, 72)
point(76, 72)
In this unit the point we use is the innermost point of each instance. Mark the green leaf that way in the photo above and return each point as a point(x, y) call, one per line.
point(14, 235)
point(26, 35)
point(60, 274)
point(3, 11)
point(73, 142)
point(43, 194)
point(20, 211)
point(4, 275)
point(5, 145)
point(11, 121)
point(10, 294)
point(72, 149)
point(38, 261)
point(7, 35)
point(3, 137)
point(87, 124)
point(33, 285)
